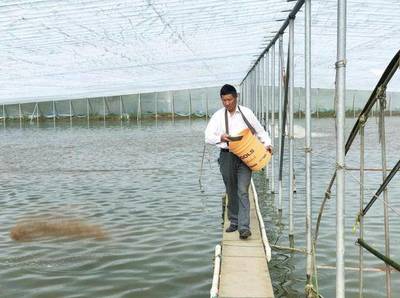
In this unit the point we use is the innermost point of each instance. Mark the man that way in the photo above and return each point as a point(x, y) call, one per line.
point(235, 173)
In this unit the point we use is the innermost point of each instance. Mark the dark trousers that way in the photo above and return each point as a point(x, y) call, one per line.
point(236, 176)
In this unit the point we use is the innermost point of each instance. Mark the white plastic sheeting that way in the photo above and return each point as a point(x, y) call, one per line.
point(63, 49)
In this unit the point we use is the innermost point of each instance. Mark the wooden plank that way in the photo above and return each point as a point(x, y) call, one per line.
point(244, 268)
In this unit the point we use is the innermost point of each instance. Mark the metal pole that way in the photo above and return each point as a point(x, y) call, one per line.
point(207, 104)
point(190, 106)
point(265, 66)
point(88, 112)
point(37, 115)
point(20, 115)
point(273, 117)
point(291, 125)
point(382, 132)
point(340, 146)
point(139, 110)
point(104, 111)
point(54, 114)
point(120, 109)
point(70, 113)
point(268, 90)
point(361, 233)
point(173, 107)
point(4, 117)
point(267, 69)
point(262, 119)
point(308, 148)
point(281, 128)
point(256, 78)
point(156, 104)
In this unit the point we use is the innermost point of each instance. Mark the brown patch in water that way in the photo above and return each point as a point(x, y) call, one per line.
point(34, 228)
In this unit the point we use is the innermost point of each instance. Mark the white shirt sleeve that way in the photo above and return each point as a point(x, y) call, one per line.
point(260, 131)
point(212, 132)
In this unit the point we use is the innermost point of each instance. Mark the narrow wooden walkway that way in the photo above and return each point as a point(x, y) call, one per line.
point(244, 268)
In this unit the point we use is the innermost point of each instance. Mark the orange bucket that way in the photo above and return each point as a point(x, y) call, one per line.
point(250, 150)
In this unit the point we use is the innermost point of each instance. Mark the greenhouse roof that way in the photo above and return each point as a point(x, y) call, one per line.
point(60, 49)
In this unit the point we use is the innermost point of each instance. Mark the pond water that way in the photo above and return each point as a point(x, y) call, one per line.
point(140, 183)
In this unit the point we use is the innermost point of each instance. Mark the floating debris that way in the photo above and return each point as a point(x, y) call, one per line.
point(36, 228)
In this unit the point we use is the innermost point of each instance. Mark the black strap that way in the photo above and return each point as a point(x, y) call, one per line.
point(253, 131)
point(226, 125)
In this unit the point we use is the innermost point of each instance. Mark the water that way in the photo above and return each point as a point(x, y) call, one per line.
point(140, 183)
point(288, 270)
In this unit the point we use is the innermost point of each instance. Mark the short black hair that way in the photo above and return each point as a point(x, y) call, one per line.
point(228, 89)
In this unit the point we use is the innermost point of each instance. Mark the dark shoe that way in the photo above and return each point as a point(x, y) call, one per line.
point(244, 234)
point(231, 229)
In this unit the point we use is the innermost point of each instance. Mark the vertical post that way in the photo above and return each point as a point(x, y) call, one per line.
point(104, 111)
point(267, 107)
point(361, 233)
point(308, 149)
point(256, 77)
point(37, 114)
point(340, 146)
point(173, 107)
point(88, 112)
point(207, 103)
point(273, 116)
point(120, 109)
point(281, 128)
point(4, 117)
point(20, 115)
point(268, 90)
point(190, 106)
point(70, 113)
point(354, 111)
point(156, 104)
point(382, 132)
point(139, 110)
point(291, 124)
point(54, 114)
point(262, 90)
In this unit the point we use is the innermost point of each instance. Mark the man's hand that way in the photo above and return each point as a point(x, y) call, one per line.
point(269, 149)
point(225, 138)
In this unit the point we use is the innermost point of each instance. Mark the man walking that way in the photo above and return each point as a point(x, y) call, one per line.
point(232, 119)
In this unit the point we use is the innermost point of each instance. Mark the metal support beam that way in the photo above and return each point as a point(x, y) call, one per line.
point(139, 109)
point(262, 91)
point(281, 128)
point(267, 83)
point(70, 113)
point(20, 115)
point(291, 124)
point(361, 232)
point(4, 117)
point(340, 146)
point(173, 107)
point(104, 111)
point(272, 131)
point(308, 148)
point(382, 136)
point(54, 114)
point(88, 111)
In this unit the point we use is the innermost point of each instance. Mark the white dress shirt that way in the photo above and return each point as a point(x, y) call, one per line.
point(216, 126)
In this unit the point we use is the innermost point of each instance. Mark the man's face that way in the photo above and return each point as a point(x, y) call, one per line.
point(229, 102)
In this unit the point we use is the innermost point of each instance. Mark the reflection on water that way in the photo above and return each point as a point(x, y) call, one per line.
point(140, 183)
